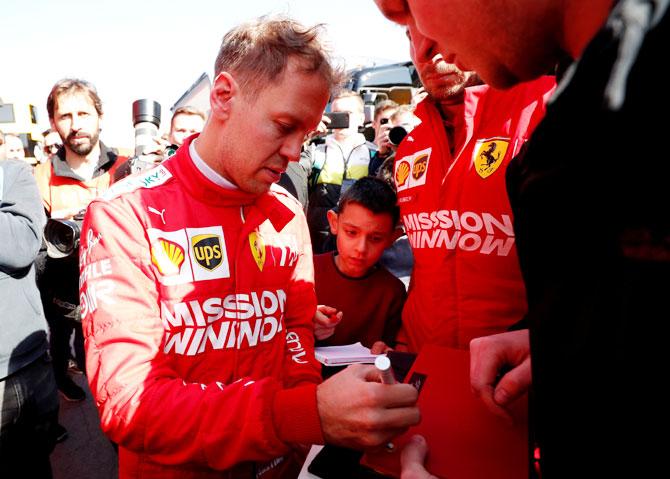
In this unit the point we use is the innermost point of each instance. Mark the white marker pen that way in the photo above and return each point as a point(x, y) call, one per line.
point(383, 363)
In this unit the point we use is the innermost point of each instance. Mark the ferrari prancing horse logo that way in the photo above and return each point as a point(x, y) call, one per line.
point(257, 246)
point(489, 154)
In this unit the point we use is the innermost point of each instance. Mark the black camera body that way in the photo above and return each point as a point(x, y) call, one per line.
point(62, 236)
point(339, 120)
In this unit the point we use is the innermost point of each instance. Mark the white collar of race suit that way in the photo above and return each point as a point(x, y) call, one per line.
point(207, 170)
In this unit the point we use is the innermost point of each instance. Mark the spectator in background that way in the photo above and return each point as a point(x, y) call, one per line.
point(49, 145)
point(28, 396)
point(336, 164)
point(52, 142)
point(359, 299)
point(79, 171)
point(381, 124)
point(186, 121)
point(14, 147)
point(404, 117)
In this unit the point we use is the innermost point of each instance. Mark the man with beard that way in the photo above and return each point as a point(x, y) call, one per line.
point(591, 222)
point(466, 281)
point(80, 170)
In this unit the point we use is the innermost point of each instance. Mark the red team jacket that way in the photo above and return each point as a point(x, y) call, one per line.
point(466, 280)
point(197, 305)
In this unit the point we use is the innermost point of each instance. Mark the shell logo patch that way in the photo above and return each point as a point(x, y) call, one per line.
point(402, 173)
point(189, 254)
point(488, 155)
point(257, 246)
point(167, 257)
point(412, 170)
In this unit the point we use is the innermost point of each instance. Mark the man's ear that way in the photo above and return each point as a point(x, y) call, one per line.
point(224, 89)
point(332, 221)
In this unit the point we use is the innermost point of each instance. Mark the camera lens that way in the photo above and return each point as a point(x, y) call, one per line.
point(146, 119)
point(397, 134)
point(146, 111)
point(62, 236)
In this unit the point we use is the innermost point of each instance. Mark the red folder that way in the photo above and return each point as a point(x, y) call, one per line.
point(465, 439)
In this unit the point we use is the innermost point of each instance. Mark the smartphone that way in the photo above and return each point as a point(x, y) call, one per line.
point(338, 120)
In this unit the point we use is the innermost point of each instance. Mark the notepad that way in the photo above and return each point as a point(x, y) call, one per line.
point(343, 355)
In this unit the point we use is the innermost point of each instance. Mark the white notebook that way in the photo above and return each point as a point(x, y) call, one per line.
point(343, 355)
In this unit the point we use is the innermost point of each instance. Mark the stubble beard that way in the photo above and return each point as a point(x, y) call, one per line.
point(82, 149)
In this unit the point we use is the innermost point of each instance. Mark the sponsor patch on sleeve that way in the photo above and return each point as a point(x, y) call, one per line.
point(190, 254)
point(411, 171)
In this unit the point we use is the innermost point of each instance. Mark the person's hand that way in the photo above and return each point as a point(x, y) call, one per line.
point(489, 357)
point(320, 130)
point(382, 139)
point(380, 347)
point(357, 411)
point(413, 458)
point(326, 319)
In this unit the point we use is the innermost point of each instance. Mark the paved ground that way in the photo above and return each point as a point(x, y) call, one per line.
point(86, 453)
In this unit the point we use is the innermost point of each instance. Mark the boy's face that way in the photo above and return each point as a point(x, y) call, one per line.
point(362, 237)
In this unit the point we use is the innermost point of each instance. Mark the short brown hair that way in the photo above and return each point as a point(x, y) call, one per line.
point(73, 85)
point(384, 105)
point(187, 110)
point(258, 51)
point(350, 94)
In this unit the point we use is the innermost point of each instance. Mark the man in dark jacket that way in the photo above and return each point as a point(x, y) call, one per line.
point(589, 197)
point(28, 396)
point(80, 171)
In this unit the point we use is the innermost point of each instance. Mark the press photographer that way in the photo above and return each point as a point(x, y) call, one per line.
point(343, 158)
point(150, 148)
point(81, 170)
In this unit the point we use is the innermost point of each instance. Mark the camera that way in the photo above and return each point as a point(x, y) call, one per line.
point(339, 120)
point(62, 236)
point(146, 120)
point(397, 134)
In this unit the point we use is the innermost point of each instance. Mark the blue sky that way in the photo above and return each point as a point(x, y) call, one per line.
point(157, 49)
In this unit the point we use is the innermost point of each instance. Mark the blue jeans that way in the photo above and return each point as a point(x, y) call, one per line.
point(28, 416)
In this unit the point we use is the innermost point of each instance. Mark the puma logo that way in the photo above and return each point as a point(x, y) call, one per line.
point(156, 212)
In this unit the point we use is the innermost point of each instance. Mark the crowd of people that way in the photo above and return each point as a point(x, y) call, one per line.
point(515, 219)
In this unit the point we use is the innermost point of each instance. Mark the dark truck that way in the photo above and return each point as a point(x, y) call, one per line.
point(394, 81)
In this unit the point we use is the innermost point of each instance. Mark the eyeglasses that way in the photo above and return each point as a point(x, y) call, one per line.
point(52, 148)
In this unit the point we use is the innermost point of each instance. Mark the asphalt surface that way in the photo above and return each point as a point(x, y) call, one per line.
point(86, 453)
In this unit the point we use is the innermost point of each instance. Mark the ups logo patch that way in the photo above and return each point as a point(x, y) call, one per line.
point(207, 250)
point(420, 166)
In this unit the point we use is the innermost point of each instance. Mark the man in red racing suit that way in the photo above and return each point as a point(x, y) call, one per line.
point(466, 280)
point(197, 293)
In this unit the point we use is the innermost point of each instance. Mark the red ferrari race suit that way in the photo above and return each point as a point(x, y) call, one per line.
point(466, 280)
point(197, 305)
